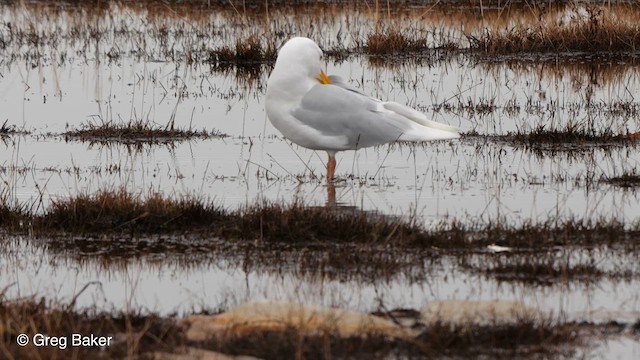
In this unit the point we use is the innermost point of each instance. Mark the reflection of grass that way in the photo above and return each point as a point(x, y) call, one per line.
point(538, 268)
point(521, 339)
point(133, 131)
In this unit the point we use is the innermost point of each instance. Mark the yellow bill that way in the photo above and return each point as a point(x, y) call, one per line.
point(323, 78)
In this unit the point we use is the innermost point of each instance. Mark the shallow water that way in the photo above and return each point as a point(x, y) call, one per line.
point(471, 178)
point(170, 283)
point(476, 179)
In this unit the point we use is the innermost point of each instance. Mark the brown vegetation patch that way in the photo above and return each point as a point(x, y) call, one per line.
point(131, 334)
point(581, 28)
point(149, 336)
point(6, 130)
point(240, 35)
point(571, 133)
point(627, 180)
point(135, 131)
point(122, 211)
point(571, 140)
point(523, 339)
point(393, 41)
point(247, 51)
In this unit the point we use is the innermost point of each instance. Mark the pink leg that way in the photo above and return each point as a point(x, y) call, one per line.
point(331, 167)
point(331, 189)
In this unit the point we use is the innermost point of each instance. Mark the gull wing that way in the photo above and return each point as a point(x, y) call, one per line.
point(399, 109)
point(337, 112)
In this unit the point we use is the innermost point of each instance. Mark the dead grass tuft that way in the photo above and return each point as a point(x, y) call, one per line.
point(566, 138)
point(131, 334)
point(626, 180)
point(393, 41)
point(526, 337)
point(7, 130)
point(247, 51)
point(120, 210)
point(135, 131)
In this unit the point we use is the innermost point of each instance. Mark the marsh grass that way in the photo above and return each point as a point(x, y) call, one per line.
point(572, 137)
point(122, 211)
point(147, 336)
point(134, 131)
point(8, 130)
point(580, 28)
point(247, 50)
point(115, 226)
point(12, 214)
point(626, 180)
point(525, 338)
point(226, 36)
point(391, 40)
point(132, 333)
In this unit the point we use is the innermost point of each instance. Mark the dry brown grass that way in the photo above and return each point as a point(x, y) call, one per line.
point(391, 40)
point(223, 35)
point(571, 133)
point(589, 28)
point(134, 131)
point(132, 334)
point(120, 210)
point(526, 338)
point(247, 51)
point(627, 180)
point(142, 336)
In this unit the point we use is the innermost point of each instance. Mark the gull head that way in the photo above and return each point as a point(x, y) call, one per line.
point(299, 66)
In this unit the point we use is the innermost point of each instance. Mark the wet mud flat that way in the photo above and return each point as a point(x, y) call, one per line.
point(519, 240)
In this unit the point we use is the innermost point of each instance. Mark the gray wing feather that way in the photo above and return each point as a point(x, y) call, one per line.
point(339, 81)
point(336, 111)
